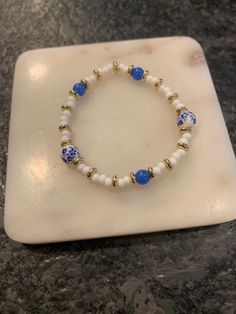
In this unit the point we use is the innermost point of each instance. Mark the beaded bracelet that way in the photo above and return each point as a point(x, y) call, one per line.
point(70, 154)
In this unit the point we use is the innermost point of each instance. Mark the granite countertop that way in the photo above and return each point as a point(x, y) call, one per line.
point(187, 271)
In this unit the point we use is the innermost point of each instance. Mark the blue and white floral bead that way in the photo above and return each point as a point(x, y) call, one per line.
point(137, 73)
point(79, 89)
point(186, 119)
point(69, 153)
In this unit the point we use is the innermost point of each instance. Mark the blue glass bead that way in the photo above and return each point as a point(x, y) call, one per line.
point(142, 176)
point(137, 73)
point(79, 88)
point(186, 119)
point(69, 153)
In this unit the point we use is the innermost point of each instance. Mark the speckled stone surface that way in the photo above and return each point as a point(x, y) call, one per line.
point(188, 271)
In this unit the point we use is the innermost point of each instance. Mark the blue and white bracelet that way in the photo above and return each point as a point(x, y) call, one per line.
point(70, 153)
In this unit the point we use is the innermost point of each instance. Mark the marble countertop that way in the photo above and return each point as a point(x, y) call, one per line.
point(188, 271)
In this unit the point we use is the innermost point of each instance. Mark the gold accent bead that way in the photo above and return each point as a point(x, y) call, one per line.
point(150, 170)
point(63, 127)
point(66, 107)
point(78, 161)
point(97, 74)
point(114, 181)
point(145, 75)
point(130, 68)
point(168, 163)
point(65, 143)
point(86, 83)
point(132, 175)
point(91, 173)
point(158, 83)
point(115, 66)
point(181, 109)
point(184, 130)
point(172, 97)
point(183, 146)
point(72, 93)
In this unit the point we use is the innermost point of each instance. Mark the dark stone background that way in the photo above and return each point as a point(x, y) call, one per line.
point(188, 271)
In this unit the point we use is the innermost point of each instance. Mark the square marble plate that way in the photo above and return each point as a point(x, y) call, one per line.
point(119, 127)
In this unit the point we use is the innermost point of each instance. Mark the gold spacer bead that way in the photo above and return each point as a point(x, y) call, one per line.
point(168, 163)
point(145, 75)
point(150, 170)
point(172, 97)
point(115, 66)
point(132, 177)
point(63, 127)
point(97, 74)
point(86, 83)
point(91, 173)
point(181, 109)
point(130, 68)
point(66, 107)
point(72, 93)
point(114, 181)
point(158, 83)
point(65, 143)
point(183, 146)
point(78, 161)
point(184, 130)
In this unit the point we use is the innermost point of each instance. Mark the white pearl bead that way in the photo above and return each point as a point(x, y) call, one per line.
point(65, 138)
point(108, 182)
point(102, 178)
point(64, 121)
point(127, 180)
point(173, 160)
point(81, 166)
point(65, 133)
point(149, 79)
point(162, 165)
point(109, 67)
point(124, 68)
point(176, 155)
point(179, 105)
point(157, 170)
point(162, 87)
point(71, 102)
point(181, 151)
point(121, 182)
point(166, 90)
point(86, 169)
point(66, 113)
point(175, 102)
point(168, 94)
point(95, 177)
point(91, 79)
point(187, 135)
point(154, 79)
point(183, 140)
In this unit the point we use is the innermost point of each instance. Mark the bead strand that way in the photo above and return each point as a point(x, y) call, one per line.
point(70, 153)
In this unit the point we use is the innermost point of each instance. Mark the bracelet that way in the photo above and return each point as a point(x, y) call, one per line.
point(70, 153)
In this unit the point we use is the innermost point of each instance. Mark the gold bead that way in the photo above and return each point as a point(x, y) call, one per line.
point(65, 143)
point(97, 74)
point(72, 93)
point(114, 181)
point(115, 66)
point(158, 83)
point(132, 177)
point(168, 163)
point(183, 146)
point(66, 107)
point(86, 83)
point(172, 97)
point(78, 161)
point(150, 170)
point(184, 130)
point(63, 127)
point(181, 109)
point(130, 68)
point(91, 173)
point(145, 75)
